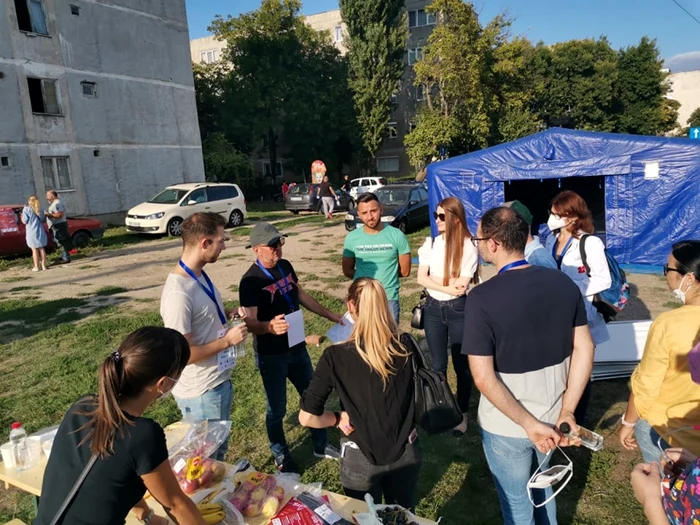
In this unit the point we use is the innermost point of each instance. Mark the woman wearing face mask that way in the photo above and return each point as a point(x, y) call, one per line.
point(373, 377)
point(663, 393)
point(447, 264)
point(569, 220)
point(131, 450)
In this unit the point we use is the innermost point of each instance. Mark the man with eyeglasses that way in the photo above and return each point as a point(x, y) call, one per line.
point(531, 354)
point(191, 304)
point(272, 296)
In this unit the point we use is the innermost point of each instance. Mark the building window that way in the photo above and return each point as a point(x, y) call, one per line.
point(43, 94)
point(338, 33)
point(420, 18)
point(89, 89)
point(74, 10)
point(209, 57)
point(411, 125)
point(392, 130)
point(414, 55)
point(268, 172)
point(56, 173)
point(387, 164)
point(4, 162)
point(420, 92)
point(30, 16)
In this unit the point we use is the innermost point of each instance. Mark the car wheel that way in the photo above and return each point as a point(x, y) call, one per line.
point(403, 225)
point(351, 204)
point(175, 227)
point(349, 228)
point(81, 239)
point(295, 212)
point(236, 218)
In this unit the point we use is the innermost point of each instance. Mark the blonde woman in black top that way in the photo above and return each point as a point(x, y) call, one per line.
point(373, 377)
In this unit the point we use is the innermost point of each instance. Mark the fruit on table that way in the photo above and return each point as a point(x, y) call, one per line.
point(211, 512)
point(270, 507)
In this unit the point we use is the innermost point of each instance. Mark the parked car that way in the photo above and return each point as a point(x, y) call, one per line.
point(405, 207)
point(12, 231)
point(366, 184)
point(165, 212)
point(302, 197)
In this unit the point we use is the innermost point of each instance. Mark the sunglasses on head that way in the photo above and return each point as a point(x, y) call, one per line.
point(440, 216)
point(667, 269)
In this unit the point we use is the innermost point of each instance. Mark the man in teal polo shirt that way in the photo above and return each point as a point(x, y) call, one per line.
point(377, 250)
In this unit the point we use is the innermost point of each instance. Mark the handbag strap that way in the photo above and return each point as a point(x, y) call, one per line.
point(418, 360)
point(69, 498)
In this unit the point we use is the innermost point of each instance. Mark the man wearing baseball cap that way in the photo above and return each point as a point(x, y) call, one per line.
point(535, 253)
point(270, 291)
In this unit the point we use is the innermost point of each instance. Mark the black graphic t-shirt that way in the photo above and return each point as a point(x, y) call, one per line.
point(257, 289)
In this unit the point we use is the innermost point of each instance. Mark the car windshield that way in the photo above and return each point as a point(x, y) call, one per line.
point(392, 197)
point(169, 196)
point(299, 188)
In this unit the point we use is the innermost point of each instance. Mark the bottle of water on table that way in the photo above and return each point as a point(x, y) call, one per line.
point(239, 349)
point(20, 452)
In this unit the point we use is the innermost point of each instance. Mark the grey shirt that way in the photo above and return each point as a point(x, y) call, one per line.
point(55, 207)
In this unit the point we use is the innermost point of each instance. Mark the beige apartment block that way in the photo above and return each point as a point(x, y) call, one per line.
point(685, 88)
point(332, 22)
point(207, 49)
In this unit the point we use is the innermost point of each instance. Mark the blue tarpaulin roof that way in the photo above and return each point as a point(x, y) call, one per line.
point(643, 216)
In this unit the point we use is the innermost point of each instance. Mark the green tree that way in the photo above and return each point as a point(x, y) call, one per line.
point(377, 47)
point(223, 163)
point(693, 121)
point(641, 91)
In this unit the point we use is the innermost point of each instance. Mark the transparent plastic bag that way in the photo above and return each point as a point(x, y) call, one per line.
point(190, 460)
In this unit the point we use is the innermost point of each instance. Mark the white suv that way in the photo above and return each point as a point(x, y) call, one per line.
point(165, 212)
point(365, 185)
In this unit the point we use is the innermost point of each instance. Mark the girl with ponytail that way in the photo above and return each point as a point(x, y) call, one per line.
point(373, 377)
point(131, 451)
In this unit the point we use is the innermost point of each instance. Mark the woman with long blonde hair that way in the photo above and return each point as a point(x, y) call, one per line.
point(33, 219)
point(447, 264)
point(373, 377)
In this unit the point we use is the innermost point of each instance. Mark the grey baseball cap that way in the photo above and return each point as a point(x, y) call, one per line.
point(264, 233)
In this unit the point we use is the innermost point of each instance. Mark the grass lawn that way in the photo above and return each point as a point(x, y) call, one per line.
point(56, 349)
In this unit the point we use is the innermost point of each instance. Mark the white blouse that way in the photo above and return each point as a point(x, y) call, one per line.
point(598, 281)
point(432, 255)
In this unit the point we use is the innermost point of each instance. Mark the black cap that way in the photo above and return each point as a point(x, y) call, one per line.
point(264, 233)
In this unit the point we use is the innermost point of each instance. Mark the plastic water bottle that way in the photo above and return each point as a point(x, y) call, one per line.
point(20, 453)
point(239, 349)
point(589, 439)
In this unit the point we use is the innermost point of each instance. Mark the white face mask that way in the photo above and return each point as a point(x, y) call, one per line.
point(557, 475)
point(556, 222)
point(679, 293)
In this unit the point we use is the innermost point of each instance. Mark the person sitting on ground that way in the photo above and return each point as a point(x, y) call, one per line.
point(132, 454)
point(373, 377)
point(535, 253)
point(663, 393)
point(33, 218)
point(678, 502)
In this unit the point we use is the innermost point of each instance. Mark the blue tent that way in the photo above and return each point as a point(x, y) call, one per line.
point(644, 211)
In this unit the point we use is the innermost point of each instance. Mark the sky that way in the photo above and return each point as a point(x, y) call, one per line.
point(624, 22)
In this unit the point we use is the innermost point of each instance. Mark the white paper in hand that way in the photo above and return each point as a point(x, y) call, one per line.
point(295, 334)
point(338, 332)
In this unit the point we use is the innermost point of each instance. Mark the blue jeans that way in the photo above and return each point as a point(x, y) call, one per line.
point(275, 370)
point(213, 405)
point(647, 439)
point(512, 462)
point(395, 310)
point(443, 321)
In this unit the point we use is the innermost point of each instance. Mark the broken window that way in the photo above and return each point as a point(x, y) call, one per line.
point(31, 17)
point(43, 93)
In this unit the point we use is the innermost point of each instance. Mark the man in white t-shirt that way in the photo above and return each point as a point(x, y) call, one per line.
point(192, 305)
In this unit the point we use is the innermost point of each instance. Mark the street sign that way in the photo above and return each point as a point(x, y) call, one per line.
point(694, 133)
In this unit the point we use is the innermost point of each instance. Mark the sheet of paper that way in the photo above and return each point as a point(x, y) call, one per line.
point(295, 334)
point(338, 332)
point(651, 170)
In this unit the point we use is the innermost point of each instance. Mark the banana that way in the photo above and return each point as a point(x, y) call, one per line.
point(209, 508)
point(216, 517)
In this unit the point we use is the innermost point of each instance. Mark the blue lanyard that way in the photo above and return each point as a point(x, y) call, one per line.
point(563, 252)
point(209, 291)
point(512, 265)
point(282, 291)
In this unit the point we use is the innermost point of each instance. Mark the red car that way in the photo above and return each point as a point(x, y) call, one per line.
point(12, 238)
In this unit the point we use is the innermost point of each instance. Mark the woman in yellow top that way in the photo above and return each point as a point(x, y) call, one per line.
point(664, 398)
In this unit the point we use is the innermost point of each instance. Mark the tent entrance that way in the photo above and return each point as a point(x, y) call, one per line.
point(536, 194)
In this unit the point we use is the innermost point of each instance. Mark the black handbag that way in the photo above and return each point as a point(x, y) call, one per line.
point(417, 314)
point(436, 409)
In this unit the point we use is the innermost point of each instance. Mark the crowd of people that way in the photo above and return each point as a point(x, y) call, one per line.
point(34, 217)
point(524, 338)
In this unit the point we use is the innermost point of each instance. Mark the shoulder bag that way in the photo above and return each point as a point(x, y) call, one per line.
point(69, 498)
point(436, 409)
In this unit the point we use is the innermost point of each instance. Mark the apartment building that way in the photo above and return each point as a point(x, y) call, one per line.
point(392, 160)
point(97, 102)
point(685, 88)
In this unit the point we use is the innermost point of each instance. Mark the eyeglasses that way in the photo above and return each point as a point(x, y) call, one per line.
point(544, 479)
point(667, 269)
point(279, 242)
point(475, 240)
point(555, 215)
point(440, 216)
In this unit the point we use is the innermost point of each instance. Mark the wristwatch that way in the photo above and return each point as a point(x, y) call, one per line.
point(626, 423)
point(147, 518)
